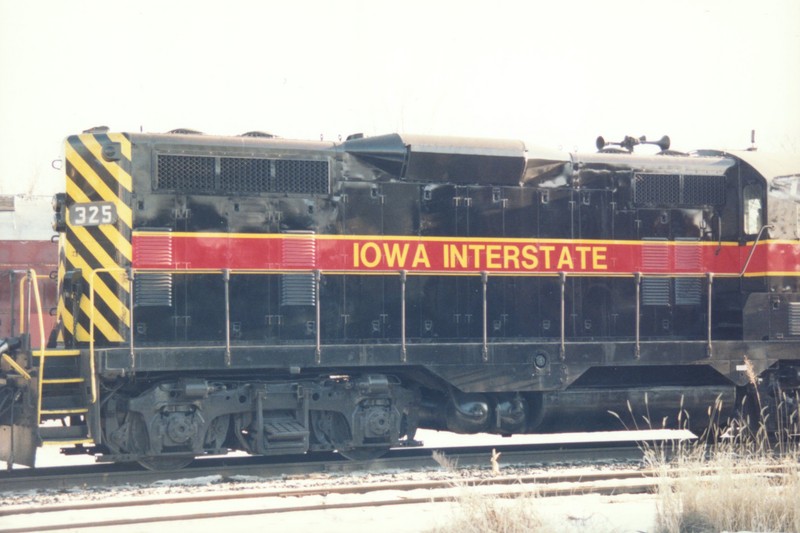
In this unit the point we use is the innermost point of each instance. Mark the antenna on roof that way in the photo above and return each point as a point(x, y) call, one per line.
point(753, 146)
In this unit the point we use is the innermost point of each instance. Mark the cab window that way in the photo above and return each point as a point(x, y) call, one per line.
point(753, 209)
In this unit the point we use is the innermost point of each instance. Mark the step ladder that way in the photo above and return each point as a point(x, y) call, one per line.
point(63, 396)
point(282, 435)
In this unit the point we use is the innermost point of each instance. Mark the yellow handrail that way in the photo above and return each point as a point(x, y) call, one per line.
point(33, 279)
point(21, 371)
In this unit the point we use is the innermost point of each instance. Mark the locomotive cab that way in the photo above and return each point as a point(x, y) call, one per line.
point(771, 205)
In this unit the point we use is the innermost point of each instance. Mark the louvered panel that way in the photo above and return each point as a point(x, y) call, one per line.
point(688, 291)
point(655, 291)
point(153, 289)
point(794, 318)
point(655, 258)
point(155, 252)
point(299, 252)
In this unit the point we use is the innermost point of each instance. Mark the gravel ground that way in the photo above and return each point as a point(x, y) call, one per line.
point(569, 513)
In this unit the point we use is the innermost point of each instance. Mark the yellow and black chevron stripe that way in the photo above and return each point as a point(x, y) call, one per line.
point(98, 169)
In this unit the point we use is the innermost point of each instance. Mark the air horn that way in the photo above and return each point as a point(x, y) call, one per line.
point(629, 142)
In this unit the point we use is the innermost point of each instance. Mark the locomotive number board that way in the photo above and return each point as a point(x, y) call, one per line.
point(92, 214)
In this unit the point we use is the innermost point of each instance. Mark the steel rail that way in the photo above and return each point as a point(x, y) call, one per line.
point(109, 475)
point(438, 491)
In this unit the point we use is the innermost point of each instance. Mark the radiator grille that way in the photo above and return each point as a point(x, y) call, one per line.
point(703, 190)
point(230, 175)
point(657, 189)
point(309, 177)
point(192, 173)
point(678, 190)
point(247, 175)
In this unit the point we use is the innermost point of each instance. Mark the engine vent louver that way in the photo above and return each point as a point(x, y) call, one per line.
point(242, 175)
point(300, 288)
point(152, 289)
point(794, 318)
point(655, 258)
point(689, 290)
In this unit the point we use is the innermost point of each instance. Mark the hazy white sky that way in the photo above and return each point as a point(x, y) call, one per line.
point(554, 73)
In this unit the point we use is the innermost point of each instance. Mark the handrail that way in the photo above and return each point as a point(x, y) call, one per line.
point(21, 371)
point(22, 282)
point(485, 312)
point(33, 280)
point(753, 248)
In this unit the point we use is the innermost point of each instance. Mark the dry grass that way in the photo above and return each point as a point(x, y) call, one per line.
point(734, 486)
point(728, 489)
point(479, 513)
point(739, 480)
point(744, 481)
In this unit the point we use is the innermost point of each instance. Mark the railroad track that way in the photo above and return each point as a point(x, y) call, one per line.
point(110, 475)
point(143, 513)
point(131, 510)
point(151, 511)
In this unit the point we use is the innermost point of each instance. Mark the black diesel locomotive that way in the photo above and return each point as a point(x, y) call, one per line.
point(280, 297)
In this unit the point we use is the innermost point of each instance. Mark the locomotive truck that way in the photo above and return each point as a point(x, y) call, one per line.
point(282, 297)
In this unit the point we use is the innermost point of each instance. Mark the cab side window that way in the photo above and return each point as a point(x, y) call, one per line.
point(753, 209)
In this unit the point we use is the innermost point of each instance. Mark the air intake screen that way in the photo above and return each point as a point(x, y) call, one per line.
point(232, 175)
point(185, 173)
point(678, 190)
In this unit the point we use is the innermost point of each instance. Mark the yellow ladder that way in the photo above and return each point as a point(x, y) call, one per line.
point(62, 393)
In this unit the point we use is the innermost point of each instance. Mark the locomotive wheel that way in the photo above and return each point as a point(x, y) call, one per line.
point(341, 429)
point(160, 463)
point(332, 429)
